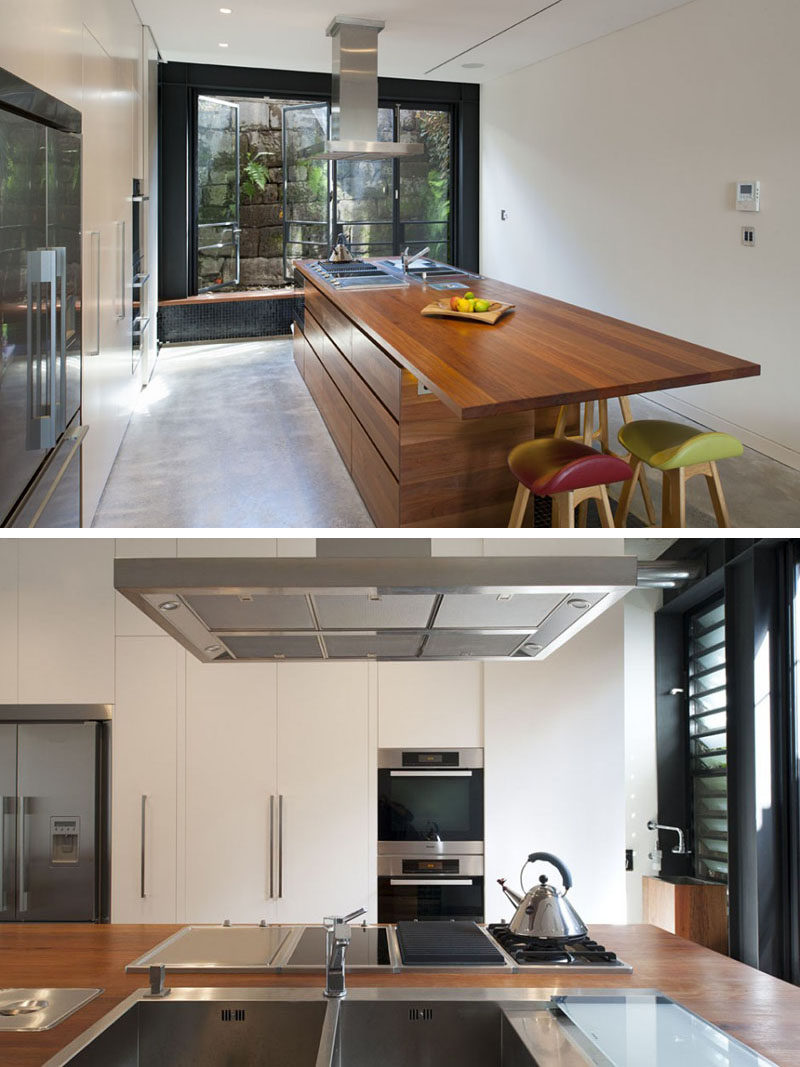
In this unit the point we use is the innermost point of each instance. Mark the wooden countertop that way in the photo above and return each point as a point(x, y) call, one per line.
point(761, 1011)
point(544, 354)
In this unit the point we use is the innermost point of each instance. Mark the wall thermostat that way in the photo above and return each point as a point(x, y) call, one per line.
point(748, 195)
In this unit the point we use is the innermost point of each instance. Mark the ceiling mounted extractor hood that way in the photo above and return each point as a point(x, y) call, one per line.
point(354, 96)
point(404, 609)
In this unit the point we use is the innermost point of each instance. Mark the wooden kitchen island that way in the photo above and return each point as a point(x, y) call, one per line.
point(759, 1010)
point(425, 410)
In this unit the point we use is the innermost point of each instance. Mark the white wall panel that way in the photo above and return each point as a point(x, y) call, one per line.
point(9, 585)
point(423, 705)
point(555, 771)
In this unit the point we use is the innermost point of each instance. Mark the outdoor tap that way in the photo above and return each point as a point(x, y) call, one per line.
point(680, 849)
point(337, 938)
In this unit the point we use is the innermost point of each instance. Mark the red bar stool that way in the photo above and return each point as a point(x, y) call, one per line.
point(567, 471)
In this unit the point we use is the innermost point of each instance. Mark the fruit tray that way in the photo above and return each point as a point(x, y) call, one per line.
point(496, 310)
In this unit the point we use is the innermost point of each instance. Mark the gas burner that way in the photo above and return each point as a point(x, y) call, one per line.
point(580, 953)
point(357, 274)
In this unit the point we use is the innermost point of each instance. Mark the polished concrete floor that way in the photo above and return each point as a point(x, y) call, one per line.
point(226, 435)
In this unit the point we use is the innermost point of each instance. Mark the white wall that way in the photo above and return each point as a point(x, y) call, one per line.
point(641, 794)
point(555, 770)
point(616, 163)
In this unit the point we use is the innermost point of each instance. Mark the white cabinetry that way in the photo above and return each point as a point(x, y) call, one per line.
point(328, 831)
point(109, 386)
point(230, 778)
point(145, 765)
point(430, 705)
point(9, 585)
point(66, 621)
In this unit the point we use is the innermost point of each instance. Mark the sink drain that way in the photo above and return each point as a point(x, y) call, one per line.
point(23, 1007)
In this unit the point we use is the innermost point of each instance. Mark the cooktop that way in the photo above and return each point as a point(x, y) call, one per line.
point(582, 954)
point(369, 947)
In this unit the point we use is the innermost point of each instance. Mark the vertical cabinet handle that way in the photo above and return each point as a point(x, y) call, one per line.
point(143, 865)
point(5, 807)
point(280, 846)
point(94, 260)
point(271, 848)
point(121, 249)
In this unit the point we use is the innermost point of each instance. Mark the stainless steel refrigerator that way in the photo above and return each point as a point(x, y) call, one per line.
point(40, 308)
point(52, 832)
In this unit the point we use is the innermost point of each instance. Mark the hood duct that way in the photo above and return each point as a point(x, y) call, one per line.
point(401, 609)
point(354, 96)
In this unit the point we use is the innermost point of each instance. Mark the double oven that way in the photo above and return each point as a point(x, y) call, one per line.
point(430, 834)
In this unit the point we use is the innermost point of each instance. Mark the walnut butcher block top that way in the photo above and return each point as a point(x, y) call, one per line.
point(758, 1009)
point(543, 354)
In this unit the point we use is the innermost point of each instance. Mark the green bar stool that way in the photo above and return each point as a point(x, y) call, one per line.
point(679, 452)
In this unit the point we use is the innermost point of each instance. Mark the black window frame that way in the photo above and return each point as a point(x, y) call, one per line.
point(756, 577)
point(181, 83)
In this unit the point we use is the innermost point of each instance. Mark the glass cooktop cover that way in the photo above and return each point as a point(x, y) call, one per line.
point(369, 947)
point(652, 1029)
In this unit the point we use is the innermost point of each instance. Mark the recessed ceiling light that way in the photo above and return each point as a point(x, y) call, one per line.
point(169, 605)
point(223, 44)
point(578, 604)
point(472, 66)
point(225, 11)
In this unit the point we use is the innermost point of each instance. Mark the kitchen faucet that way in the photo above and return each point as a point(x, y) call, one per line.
point(680, 849)
point(408, 259)
point(337, 938)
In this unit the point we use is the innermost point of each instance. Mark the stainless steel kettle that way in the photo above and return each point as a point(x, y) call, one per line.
point(543, 912)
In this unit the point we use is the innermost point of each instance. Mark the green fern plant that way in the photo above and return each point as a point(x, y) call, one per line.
point(253, 175)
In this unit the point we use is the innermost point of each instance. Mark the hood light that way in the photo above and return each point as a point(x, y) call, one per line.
point(169, 605)
point(578, 604)
point(213, 648)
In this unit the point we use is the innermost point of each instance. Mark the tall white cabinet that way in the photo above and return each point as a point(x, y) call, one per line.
point(230, 778)
point(327, 832)
point(145, 759)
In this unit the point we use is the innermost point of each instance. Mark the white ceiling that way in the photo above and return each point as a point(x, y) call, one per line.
point(419, 35)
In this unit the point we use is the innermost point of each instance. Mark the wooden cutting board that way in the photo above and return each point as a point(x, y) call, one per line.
point(442, 307)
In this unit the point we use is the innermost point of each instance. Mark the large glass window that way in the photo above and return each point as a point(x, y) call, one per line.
point(261, 202)
point(708, 739)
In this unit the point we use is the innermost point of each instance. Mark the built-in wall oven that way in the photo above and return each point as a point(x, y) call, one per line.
point(430, 834)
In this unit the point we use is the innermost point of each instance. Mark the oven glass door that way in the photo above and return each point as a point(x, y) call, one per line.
point(430, 805)
point(402, 898)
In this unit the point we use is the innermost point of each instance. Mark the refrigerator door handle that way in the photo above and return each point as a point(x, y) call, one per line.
point(280, 846)
point(6, 808)
point(41, 329)
point(61, 398)
point(143, 865)
point(22, 854)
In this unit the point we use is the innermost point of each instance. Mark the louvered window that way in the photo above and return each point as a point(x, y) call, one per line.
point(708, 746)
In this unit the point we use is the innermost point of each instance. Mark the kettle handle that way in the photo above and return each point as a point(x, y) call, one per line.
point(561, 867)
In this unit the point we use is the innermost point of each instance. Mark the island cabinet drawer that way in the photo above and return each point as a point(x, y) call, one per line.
point(381, 427)
point(337, 366)
point(376, 483)
point(378, 370)
point(331, 404)
point(337, 326)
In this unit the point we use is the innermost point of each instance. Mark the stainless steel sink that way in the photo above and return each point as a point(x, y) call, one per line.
point(530, 1027)
point(40, 1009)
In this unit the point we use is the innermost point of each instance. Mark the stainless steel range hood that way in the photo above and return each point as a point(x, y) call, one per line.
point(354, 98)
point(402, 609)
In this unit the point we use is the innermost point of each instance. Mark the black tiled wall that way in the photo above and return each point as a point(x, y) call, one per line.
point(224, 320)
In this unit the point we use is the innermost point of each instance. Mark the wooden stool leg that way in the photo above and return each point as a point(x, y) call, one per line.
point(717, 497)
point(602, 415)
point(604, 507)
point(588, 422)
point(520, 503)
point(673, 510)
point(563, 509)
point(628, 489)
point(561, 421)
point(649, 507)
